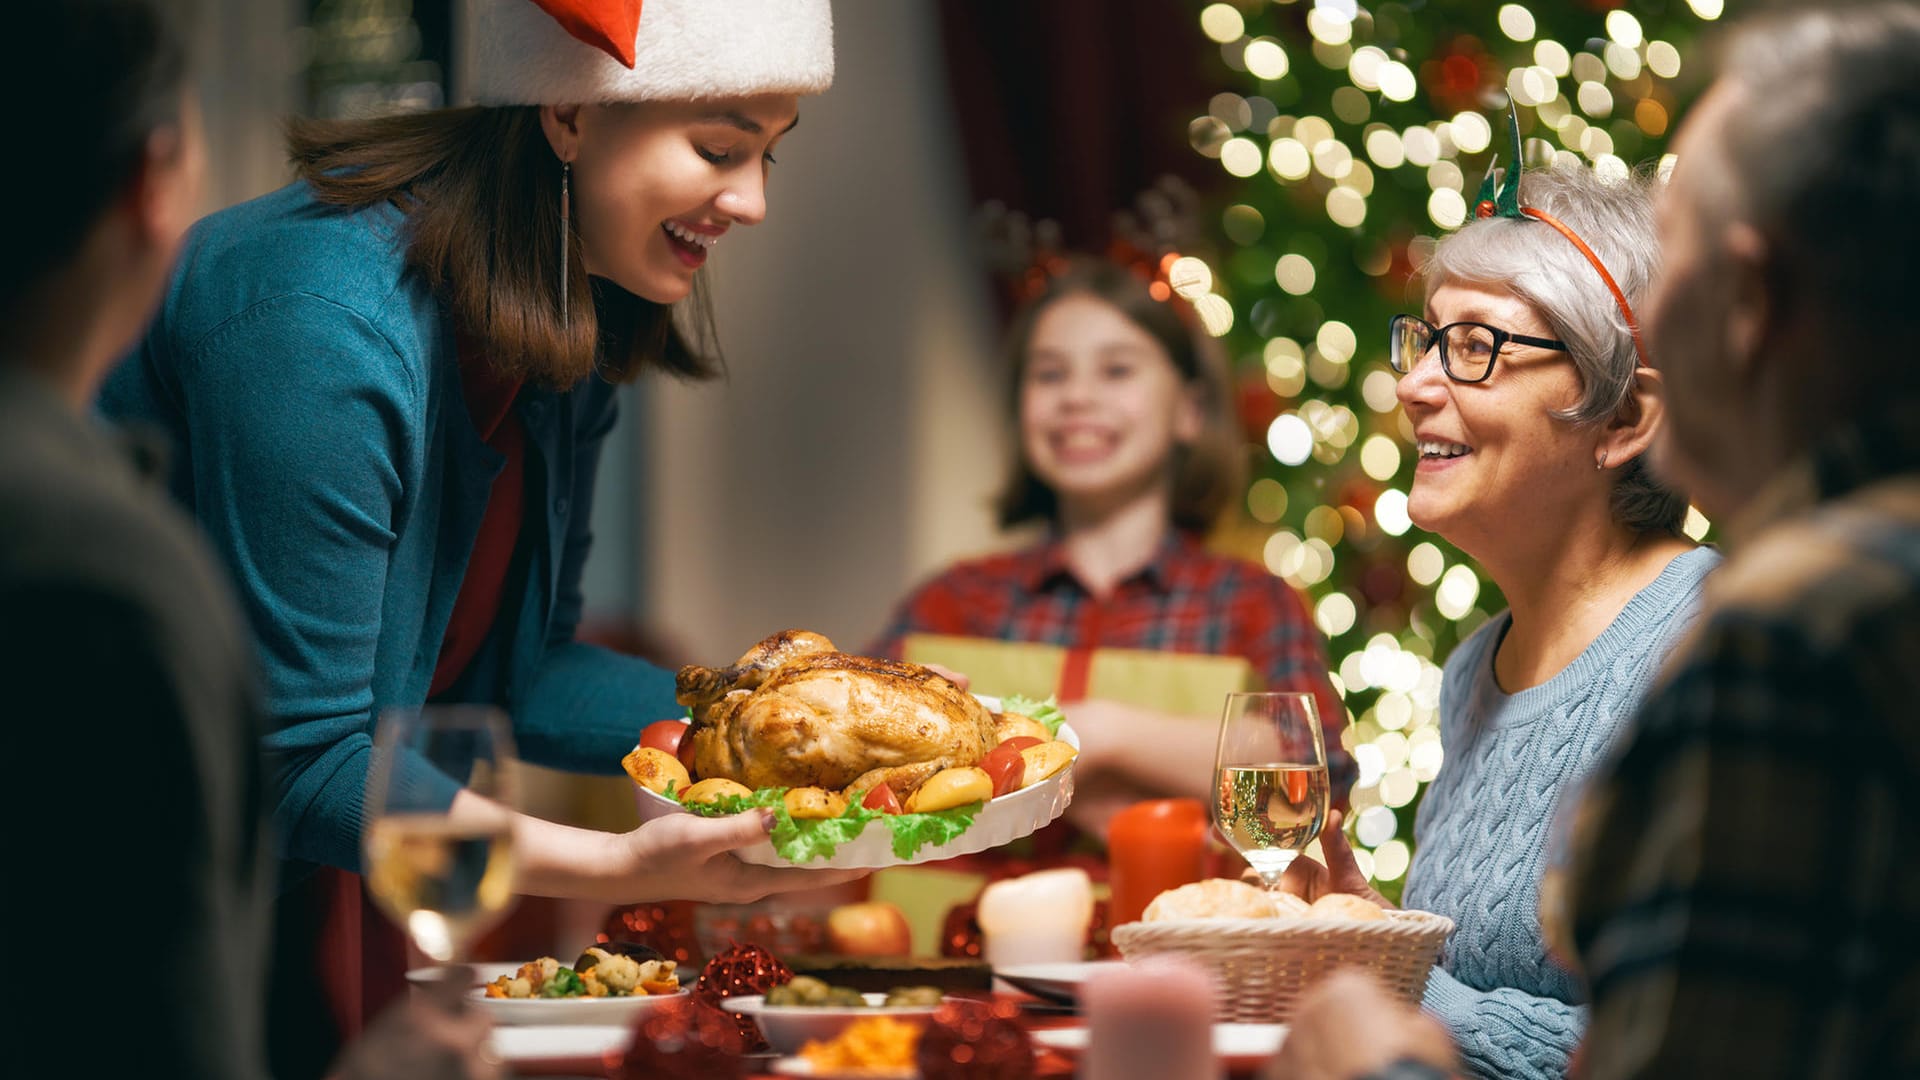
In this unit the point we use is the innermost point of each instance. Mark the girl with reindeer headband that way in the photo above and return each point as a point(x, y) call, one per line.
point(1126, 452)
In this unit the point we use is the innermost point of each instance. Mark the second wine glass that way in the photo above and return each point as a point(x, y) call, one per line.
point(1270, 779)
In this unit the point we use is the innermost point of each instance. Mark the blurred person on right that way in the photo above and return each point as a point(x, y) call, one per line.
point(1745, 873)
point(1746, 885)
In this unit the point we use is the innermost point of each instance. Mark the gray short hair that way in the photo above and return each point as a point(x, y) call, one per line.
point(1534, 262)
point(1825, 160)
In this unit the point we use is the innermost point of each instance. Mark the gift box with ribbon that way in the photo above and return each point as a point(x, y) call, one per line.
point(1186, 684)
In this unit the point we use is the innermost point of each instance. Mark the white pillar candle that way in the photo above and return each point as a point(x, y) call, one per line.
point(1041, 918)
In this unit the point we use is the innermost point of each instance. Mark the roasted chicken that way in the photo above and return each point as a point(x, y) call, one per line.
point(795, 712)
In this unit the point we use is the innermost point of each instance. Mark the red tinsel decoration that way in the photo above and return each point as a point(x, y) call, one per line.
point(687, 1038)
point(975, 1040)
point(738, 972)
point(667, 927)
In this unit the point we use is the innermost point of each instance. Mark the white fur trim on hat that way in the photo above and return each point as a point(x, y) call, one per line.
point(685, 50)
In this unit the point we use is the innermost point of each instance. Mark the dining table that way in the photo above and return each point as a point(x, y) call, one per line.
point(1035, 1014)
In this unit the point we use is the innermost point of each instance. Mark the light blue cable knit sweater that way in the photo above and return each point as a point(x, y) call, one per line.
point(1482, 831)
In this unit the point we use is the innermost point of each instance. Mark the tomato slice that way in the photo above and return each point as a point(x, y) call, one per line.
point(1005, 767)
point(883, 799)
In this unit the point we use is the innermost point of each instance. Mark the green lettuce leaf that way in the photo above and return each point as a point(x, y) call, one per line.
point(911, 832)
point(801, 841)
point(1047, 712)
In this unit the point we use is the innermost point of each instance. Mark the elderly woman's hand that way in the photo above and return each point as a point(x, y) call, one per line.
point(1309, 880)
point(1350, 1027)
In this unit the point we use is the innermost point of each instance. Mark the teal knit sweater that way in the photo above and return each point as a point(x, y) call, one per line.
point(1482, 830)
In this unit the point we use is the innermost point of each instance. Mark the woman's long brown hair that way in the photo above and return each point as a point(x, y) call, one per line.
point(481, 190)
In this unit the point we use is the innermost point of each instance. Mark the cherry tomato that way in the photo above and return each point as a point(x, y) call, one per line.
point(1021, 742)
point(1005, 767)
point(664, 735)
point(883, 799)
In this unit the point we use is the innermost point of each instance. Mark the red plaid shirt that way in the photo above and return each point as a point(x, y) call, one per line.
point(1186, 600)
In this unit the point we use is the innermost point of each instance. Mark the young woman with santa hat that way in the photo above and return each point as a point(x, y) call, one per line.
point(389, 384)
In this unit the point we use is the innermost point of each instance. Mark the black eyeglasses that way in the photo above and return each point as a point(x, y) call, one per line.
point(1467, 349)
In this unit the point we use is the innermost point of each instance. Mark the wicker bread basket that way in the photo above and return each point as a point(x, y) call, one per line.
point(1264, 965)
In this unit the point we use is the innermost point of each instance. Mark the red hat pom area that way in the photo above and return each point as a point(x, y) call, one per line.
point(608, 25)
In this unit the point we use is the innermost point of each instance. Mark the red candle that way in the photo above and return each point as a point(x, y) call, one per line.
point(1152, 847)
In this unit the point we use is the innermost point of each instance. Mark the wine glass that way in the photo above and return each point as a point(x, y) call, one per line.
point(1270, 779)
point(446, 877)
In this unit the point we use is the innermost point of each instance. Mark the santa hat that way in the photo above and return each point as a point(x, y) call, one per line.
point(564, 52)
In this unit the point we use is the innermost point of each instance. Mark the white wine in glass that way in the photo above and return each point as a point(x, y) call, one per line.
point(1270, 779)
point(446, 878)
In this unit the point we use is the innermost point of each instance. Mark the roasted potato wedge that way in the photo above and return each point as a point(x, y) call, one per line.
point(1008, 725)
point(949, 788)
point(813, 802)
point(1044, 760)
point(714, 789)
point(656, 770)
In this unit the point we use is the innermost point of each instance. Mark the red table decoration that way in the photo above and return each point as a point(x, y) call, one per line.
point(737, 972)
point(975, 1040)
point(688, 1038)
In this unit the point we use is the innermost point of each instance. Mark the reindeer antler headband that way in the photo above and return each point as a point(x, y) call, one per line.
point(1500, 197)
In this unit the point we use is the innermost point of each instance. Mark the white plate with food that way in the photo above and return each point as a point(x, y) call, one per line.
point(479, 974)
point(602, 988)
point(1056, 982)
point(789, 1027)
point(861, 724)
point(1238, 1043)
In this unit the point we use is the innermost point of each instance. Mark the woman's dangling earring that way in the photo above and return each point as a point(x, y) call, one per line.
point(1602, 463)
point(566, 229)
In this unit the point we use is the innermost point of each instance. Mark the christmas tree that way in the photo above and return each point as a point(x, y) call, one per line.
point(1357, 134)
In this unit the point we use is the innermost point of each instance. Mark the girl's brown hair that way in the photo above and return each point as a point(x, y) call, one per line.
point(481, 190)
point(1208, 472)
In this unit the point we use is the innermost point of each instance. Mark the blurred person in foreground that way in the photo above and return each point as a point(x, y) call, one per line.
point(126, 664)
point(1746, 872)
point(1528, 387)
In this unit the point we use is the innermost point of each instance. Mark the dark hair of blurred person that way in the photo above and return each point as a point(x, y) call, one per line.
point(124, 660)
point(138, 848)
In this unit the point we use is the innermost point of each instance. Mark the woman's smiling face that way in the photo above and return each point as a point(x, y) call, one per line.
point(1491, 454)
point(657, 184)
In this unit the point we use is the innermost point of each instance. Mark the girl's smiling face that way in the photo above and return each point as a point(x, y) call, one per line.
point(1102, 406)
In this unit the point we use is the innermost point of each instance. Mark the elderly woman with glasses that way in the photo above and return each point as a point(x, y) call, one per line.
point(1533, 407)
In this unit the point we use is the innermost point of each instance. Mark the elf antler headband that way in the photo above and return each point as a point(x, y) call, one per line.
point(1146, 241)
point(1502, 199)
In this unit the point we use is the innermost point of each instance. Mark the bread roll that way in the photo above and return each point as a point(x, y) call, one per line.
point(1218, 898)
point(1345, 906)
point(1288, 906)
